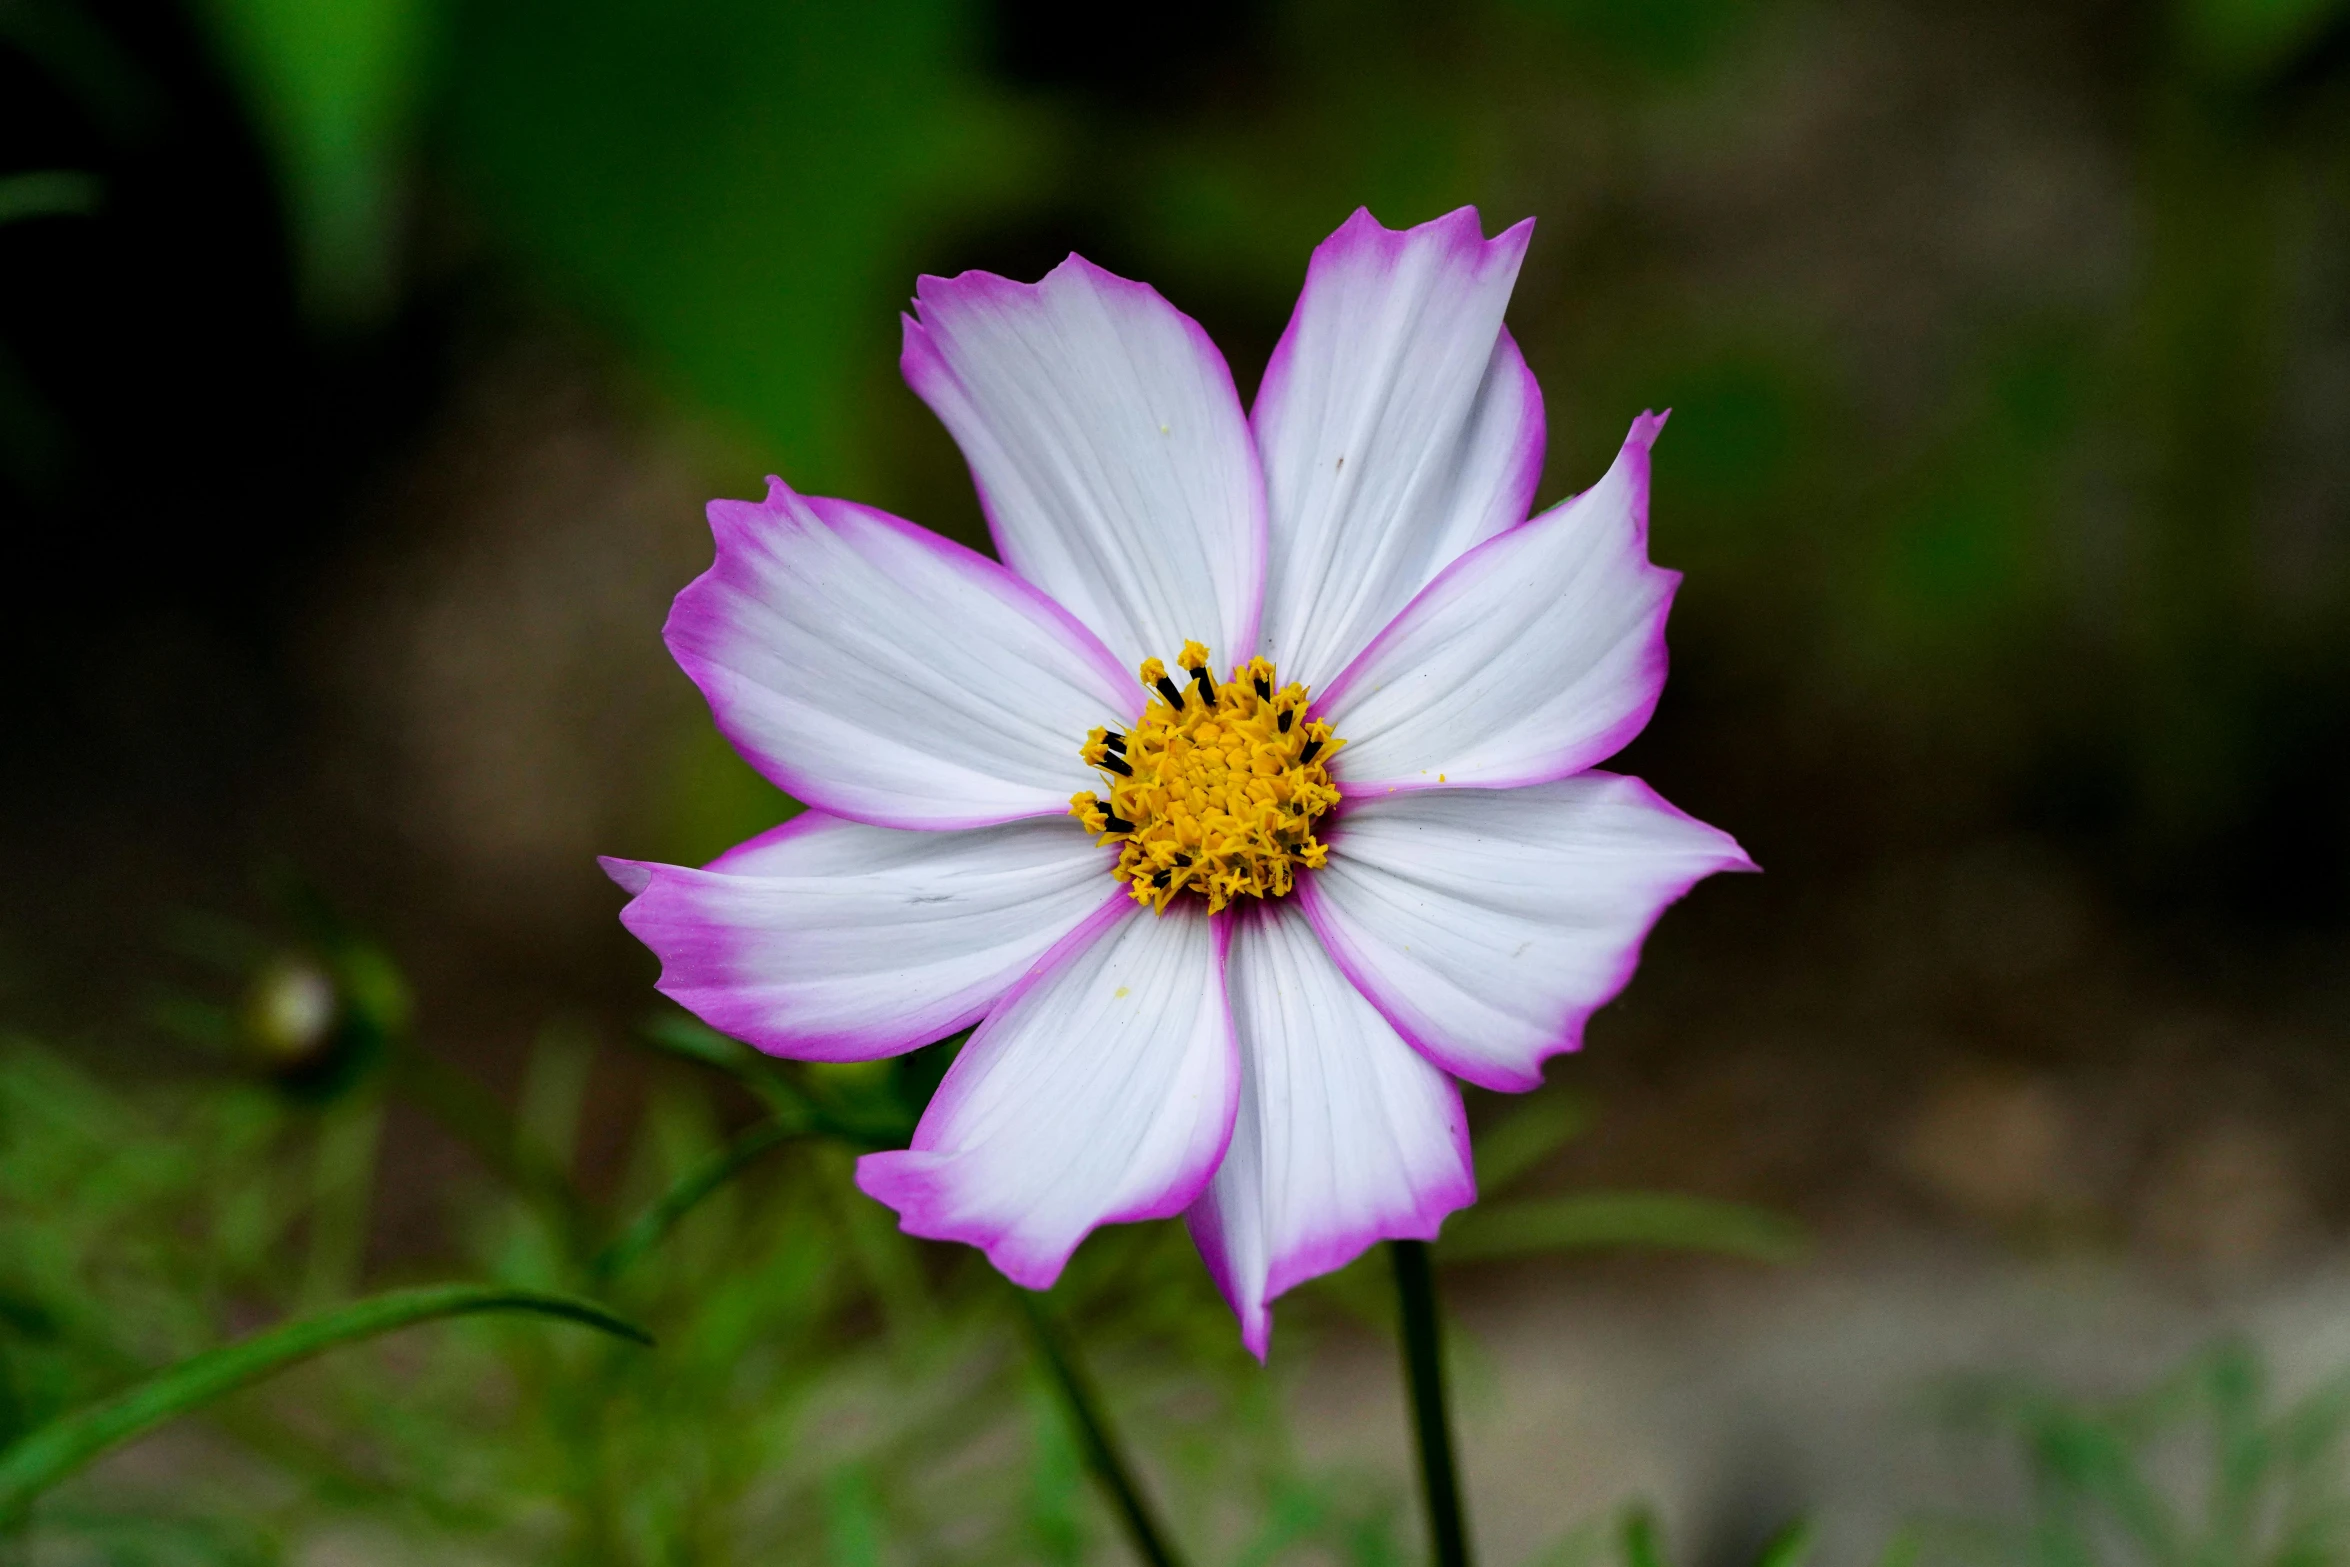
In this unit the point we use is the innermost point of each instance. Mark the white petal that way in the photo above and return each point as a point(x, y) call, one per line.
point(1346, 1135)
point(828, 940)
point(1488, 925)
point(1535, 655)
point(1100, 1090)
point(1398, 426)
point(1109, 448)
point(874, 669)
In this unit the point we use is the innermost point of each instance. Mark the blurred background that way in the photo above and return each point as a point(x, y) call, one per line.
point(365, 364)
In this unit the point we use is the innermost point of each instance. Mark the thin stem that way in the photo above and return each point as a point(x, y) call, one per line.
point(1101, 1447)
point(1423, 1364)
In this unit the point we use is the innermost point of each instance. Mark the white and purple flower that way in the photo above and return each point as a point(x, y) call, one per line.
point(1229, 938)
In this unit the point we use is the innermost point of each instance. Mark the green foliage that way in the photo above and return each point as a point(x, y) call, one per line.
point(1537, 1127)
point(1665, 36)
point(48, 1453)
point(1638, 1220)
point(337, 88)
point(736, 185)
point(825, 1389)
point(1533, 1130)
point(1640, 1542)
point(2240, 40)
point(720, 1165)
point(2202, 1470)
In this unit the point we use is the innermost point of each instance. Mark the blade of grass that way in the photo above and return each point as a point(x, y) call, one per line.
point(714, 1171)
point(57, 1449)
point(1534, 1131)
point(866, 1125)
point(1653, 1220)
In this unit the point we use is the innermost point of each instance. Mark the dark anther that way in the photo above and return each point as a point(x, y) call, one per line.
point(1113, 822)
point(1264, 689)
point(1115, 741)
point(1205, 684)
point(1182, 861)
point(1173, 696)
point(1308, 754)
point(1161, 879)
point(1282, 723)
point(1116, 764)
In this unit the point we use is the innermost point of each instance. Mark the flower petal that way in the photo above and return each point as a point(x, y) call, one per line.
point(1100, 1090)
point(1398, 426)
point(828, 940)
point(1109, 449)
point(1488, 925)
point(1535, 655)
point(874, 669)
point(1346, 1135)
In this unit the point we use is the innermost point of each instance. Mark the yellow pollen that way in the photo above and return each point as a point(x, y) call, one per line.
point(1216, 788)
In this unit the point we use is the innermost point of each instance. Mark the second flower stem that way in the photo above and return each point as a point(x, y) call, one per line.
point(1423, 1361)
point(1102, 1453)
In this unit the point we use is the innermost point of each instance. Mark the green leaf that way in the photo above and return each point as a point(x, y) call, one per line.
point(2241, 40)
point(1642, 1548)
point(1790, 1547)
point(48, 193)
point(336, 89)
point(1596, 1220)
point(1537, 1129)
point(721, 1166)
point(64, 1445)
point(82, 58)
point(736, 186)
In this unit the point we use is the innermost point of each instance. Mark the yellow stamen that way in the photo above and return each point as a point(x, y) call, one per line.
point(1217, 787)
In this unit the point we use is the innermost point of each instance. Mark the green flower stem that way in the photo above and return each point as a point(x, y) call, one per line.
point(1101, 1448)
point(1423, 1364)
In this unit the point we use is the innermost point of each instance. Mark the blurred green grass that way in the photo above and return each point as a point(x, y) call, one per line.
point(823, 1387)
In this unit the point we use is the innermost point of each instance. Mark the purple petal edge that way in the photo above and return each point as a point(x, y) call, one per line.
point(1462, 228)
point(1655, 659)
point(1429, 1211)
point(908, 1179)
point(719, 1006)
point(923, 367)
point(1570, 1034)
point(1533, 436)
point(691, 615)
point(630, 876)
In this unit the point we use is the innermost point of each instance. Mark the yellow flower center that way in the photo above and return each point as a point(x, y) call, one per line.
point(1217, 787)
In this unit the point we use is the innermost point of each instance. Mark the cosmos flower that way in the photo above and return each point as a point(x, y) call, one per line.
point(1245, 806)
